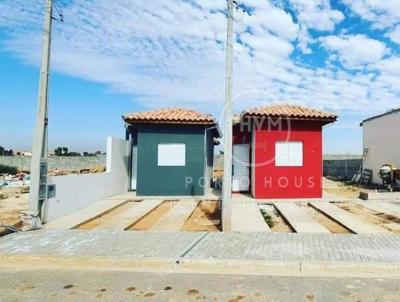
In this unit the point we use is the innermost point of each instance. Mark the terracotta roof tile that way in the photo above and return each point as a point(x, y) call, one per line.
point(169, 116)
point(291, 111)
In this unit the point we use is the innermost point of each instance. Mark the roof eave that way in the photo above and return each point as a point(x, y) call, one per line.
point(132, 122)
point(326, 120)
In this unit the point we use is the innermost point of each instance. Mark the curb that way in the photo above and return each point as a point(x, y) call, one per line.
point(205, 266)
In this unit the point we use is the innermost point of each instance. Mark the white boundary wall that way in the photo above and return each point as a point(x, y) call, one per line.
point(74, 192)
point(381, 137)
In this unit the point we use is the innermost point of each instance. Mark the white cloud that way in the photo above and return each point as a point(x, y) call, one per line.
point(382, 13)
point(394, 34)
point(173, 53)
point(355, 51)
point(317, 14)
point(274, 20)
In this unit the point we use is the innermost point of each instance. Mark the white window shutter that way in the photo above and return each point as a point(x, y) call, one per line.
point(289, 154)
point(171, 155)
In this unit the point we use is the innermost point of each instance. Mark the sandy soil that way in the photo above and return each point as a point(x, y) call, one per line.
point(12, 201)
point(339, 188)
point(383, 220)
point(92, 224)
point(151, 218)
point(326, 222)
point(206, 217)
point(348, 192)
point(279, 224)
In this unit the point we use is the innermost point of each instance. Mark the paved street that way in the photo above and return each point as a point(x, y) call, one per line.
point(60, 285)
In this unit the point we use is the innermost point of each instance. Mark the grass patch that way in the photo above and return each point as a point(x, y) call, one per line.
point(268, 218)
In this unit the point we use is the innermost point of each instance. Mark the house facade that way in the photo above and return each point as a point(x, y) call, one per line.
point(172, 152)
point(277, 151)
point(381, 139)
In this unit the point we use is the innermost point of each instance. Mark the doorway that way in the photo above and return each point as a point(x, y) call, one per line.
point(241, 169)
point(133, 168)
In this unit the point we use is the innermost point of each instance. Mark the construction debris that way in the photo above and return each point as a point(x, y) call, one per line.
point(30, 221)
point(22, 179)
point(17, 180)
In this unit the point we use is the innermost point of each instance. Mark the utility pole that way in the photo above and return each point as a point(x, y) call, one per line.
point(227, 178)
point(38, 183)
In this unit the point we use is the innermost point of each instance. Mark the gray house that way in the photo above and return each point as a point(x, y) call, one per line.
point(172, 151)
point(381, 141)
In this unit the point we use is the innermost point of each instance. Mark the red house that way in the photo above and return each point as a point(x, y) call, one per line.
point(277, 151)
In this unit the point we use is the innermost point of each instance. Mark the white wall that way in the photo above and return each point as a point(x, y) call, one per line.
point(74, 192)
point(382, 137)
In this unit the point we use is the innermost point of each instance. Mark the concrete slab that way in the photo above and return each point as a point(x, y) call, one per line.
point(246, 217)
point(381, 207)
point(387, 196)
point(239, 197)
point(137, 211)
point(176, 217)
point(213, 195)
point(83, 215)
point(298, 218)
point(346, 219)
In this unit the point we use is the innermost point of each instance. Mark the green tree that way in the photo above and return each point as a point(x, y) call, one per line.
point(58, 151)
point(64, 151)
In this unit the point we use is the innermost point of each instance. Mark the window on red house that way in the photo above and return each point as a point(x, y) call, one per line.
point(289, 154)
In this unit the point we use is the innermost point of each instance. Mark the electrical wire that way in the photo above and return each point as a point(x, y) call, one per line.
point(57, 7)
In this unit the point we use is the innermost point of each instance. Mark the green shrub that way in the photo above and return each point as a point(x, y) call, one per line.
point(8, 169)
point(268, 218)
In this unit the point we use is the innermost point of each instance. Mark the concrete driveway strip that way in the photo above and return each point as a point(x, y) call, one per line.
point(346, 219)
point(246, 217)
point(380, 206)
point(137, 211)
point(299, 219)
point(176, 217)
point(87, 213)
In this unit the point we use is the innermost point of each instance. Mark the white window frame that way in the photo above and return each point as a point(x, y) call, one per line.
point(171, 155)
point(287, 154)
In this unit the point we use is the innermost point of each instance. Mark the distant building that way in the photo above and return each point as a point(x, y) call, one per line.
point(277, 151)
point(23, 153)
point(381, 134)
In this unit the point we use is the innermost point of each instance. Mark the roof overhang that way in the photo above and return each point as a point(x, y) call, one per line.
point(380, 115)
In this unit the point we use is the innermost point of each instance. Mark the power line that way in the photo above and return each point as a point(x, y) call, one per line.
point(59, 11)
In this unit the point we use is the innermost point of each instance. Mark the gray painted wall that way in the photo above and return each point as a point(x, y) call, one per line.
point(71, 163)
point(74, 192)
point(381, 137)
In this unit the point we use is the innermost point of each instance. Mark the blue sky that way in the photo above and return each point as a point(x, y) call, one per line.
point(113, 57)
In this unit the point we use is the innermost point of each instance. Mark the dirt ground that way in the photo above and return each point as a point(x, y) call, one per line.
point(341, 189)
point(12, 201)
point(206, 217)
point(151, 218)
point(386, 221)
point(326, 222)
point(278, 223)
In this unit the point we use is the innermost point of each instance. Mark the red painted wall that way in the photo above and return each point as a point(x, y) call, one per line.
point(288, 182)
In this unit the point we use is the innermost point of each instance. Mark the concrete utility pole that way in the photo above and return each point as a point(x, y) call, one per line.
point(38, 184)
point(227, 179)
